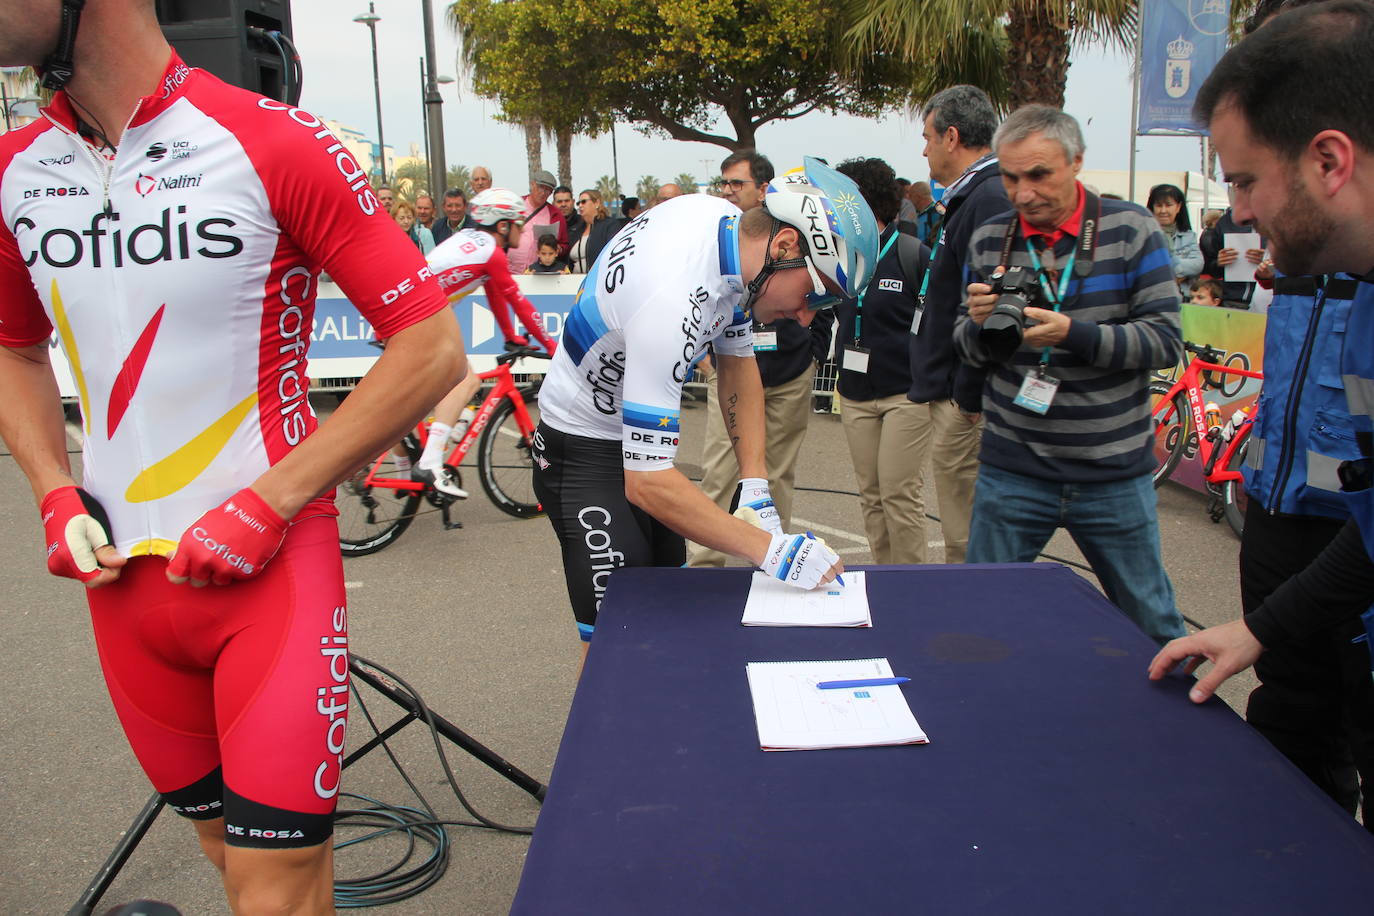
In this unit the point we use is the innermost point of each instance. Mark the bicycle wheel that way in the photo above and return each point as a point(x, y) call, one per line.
point(370, 518)
point(1233, 497)
point(1172, 428)
point(504, 463)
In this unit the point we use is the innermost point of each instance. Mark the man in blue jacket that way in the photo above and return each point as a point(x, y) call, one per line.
point(1288, 108)
point(1315, 702)
point(958, 127)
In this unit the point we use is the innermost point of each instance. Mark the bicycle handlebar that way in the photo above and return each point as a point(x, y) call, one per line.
point(511, 356)
point(1206, 351)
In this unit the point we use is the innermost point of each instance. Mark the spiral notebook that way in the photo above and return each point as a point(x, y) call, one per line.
point(793, 714)
point(776, 604)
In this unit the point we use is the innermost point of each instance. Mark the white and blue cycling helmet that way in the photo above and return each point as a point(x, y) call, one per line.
point(838, 231)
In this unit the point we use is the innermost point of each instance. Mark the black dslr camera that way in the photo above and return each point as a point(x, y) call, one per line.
point(1016, 288)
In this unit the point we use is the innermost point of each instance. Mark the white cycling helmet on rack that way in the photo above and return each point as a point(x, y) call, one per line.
point(496, 204)
point(838, 231)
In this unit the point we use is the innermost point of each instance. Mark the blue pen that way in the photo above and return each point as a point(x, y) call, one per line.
point(838, 578)
point(862, 682)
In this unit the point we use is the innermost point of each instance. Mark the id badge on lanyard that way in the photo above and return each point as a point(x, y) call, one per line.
point(765, 339)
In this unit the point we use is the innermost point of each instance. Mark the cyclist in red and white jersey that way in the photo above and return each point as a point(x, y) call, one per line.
point(461, 263)
point(171, 230)
point(689, 272)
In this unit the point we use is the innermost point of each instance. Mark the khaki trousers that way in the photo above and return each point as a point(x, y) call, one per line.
point(954, 465)
point(889, 439)
point(787, 409)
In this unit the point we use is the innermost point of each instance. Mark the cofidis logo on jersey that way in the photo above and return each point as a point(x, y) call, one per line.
point(174, 236)
point(348, 167)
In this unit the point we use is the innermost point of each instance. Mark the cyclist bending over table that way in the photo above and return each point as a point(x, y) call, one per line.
point(689, 272)
point(461, 263)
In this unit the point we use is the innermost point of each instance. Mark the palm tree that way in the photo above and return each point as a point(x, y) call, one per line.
point(608, 188)
point(646, 188)
point(687, 181)
point(411, 179)
point(1022, 46)
point(458, 177)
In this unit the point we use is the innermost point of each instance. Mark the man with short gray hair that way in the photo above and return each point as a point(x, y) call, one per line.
point(1068, 440)
point(957, 126)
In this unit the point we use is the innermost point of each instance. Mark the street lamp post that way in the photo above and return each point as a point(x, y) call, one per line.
point(370, 19)
point(434, 110)
point(434, 190)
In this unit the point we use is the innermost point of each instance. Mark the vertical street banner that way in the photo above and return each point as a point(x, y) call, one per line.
point(1181, 41)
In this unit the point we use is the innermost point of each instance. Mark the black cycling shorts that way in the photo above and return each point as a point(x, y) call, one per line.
point(581, 484)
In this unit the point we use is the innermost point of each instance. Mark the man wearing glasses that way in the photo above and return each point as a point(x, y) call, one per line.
point(786, 353)
point(689, 272)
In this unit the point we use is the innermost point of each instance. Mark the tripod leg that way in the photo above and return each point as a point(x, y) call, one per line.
point(453, 733)
point(118, 856)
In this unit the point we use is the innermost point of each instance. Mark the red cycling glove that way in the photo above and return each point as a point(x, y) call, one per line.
point(232, 541)
point(74, 527)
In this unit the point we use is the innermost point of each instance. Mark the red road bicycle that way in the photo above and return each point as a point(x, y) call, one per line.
point(378, 503)
point(1179, 411)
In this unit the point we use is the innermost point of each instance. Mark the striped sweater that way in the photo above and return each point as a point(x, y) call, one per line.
point(1125, 323)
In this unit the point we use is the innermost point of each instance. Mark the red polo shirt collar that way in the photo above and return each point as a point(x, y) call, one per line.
point(1071, 226)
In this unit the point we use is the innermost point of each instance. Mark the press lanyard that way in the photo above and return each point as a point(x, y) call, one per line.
point(1058, 296)
point(925, 279)
point(859, 310)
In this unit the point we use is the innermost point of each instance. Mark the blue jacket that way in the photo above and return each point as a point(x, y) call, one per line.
point(1357, 371)
point(1187, 256)
point(1303, 429)
point(937, 374)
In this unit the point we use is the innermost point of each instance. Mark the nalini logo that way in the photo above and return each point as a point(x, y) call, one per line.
point(156, 152)
point(146, 184)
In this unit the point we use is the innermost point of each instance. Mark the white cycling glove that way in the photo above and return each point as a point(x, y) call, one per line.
point(798, 559)
point(754, 503)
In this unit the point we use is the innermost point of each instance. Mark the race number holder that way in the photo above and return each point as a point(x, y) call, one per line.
point(372, 675)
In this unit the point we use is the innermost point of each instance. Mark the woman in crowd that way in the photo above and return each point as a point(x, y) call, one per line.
point(889, 435)
point(403, 212)
point(598, 227)
point(1166, 202)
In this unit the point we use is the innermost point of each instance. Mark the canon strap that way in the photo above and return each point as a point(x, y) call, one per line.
point(58, 67)
point(1087, 236)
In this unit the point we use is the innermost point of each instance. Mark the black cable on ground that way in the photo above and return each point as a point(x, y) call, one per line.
point(421, 828)
point(1046, 556)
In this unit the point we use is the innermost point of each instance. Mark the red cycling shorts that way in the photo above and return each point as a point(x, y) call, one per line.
point(235, 698)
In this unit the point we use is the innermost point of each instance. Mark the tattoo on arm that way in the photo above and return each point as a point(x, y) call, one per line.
point(732, 419)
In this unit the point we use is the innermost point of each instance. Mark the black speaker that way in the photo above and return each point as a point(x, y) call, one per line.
point(231, 39)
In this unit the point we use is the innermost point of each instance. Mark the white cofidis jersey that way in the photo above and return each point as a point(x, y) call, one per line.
point(180, 276)
point(461, 262)
point(662, 289)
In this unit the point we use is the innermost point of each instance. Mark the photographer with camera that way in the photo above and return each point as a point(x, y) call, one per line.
point(1077, 304)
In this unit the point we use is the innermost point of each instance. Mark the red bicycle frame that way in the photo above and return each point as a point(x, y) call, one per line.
point(1190, 382)
point(505, 387)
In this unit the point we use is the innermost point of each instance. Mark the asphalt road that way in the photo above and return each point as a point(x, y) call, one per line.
point(476, 619)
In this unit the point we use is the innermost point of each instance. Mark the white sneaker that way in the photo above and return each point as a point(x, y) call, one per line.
point(442, 481)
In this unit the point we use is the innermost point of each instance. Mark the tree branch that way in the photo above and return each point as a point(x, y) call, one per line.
point(683, 132)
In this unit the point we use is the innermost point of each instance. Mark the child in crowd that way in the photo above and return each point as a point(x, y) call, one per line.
point(1207, 292)
point(548, 262)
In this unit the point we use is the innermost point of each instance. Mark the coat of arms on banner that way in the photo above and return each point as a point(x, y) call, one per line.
point(1178, 68)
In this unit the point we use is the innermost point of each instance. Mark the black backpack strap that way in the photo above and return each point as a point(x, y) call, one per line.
point(909, 257)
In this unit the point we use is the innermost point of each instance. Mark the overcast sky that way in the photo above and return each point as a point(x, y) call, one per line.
point(336, 56)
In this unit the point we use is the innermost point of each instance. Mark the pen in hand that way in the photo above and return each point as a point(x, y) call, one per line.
point(838, 578)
